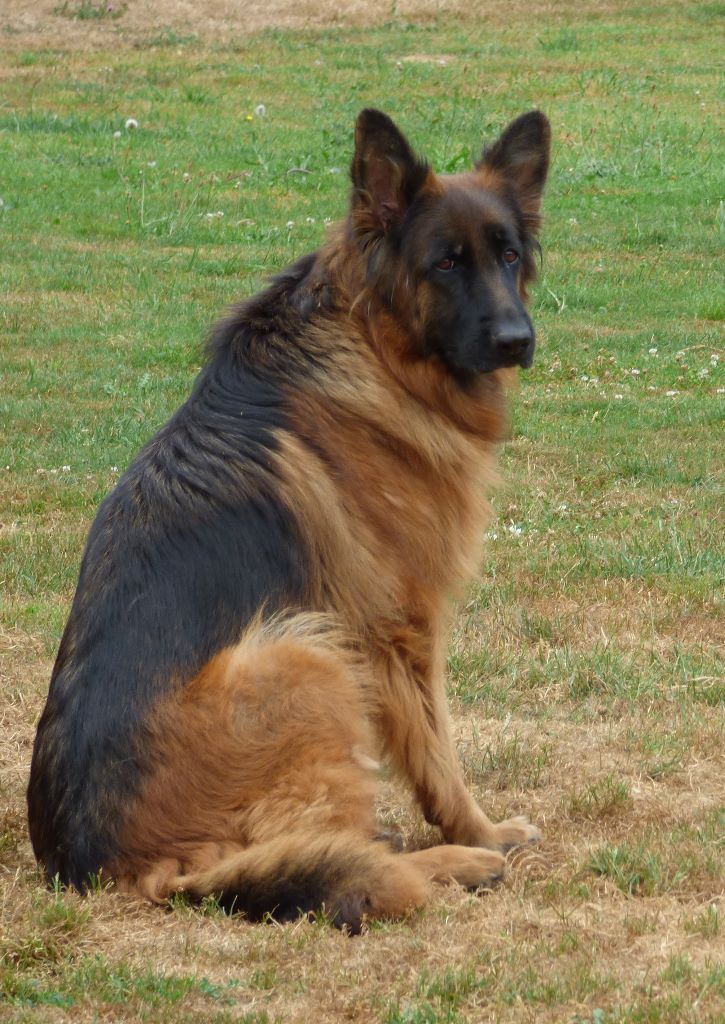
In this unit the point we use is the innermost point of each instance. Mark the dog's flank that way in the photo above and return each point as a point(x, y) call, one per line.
point(331, 461)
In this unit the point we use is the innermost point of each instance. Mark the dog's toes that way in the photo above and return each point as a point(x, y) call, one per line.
point(516, 831)
point(475, 869)
point(487, 869)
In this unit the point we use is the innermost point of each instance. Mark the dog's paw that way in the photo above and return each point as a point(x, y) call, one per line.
point(478, 869)
point(470, 867)
point(516, 831)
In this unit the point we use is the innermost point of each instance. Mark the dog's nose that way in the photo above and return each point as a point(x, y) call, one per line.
point(513, 341)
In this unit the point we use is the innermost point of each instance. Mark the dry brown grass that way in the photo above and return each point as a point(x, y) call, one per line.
point(555, 940)
point(27, 25)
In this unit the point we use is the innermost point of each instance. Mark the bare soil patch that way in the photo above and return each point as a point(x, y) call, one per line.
point(46, 24)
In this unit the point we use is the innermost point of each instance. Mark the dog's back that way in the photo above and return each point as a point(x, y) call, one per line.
point(192, 543)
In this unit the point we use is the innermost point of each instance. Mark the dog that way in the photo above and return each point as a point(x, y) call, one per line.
point(262, 603)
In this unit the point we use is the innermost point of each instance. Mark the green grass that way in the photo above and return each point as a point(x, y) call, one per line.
point(586, 666)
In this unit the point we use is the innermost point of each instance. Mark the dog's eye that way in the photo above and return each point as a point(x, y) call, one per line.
point(446, 264)
point(510, 256)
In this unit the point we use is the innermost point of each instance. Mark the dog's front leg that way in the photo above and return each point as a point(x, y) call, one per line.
point(417, 734)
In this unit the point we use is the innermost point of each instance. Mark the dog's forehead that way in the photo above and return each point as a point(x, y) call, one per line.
point(464, 207)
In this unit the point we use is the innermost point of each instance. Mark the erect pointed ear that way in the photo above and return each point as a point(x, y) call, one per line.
point(385, 172)
point(521, 158)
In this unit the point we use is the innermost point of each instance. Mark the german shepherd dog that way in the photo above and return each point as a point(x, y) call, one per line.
point(263, 599)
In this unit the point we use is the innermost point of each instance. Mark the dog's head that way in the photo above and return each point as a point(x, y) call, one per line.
point(451, 256)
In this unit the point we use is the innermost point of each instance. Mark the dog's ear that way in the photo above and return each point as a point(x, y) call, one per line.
point(520, 157)
point(386, 174)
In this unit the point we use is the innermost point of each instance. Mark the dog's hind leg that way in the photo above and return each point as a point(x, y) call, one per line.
point(262, 788)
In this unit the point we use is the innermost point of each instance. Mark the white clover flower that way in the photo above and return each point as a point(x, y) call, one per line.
point(260, 110)
point(653, 351)
point(704, 372)
point(671, 394)
point(131, 123)
point(619, 397)
point(117, 135)
point(290, 224)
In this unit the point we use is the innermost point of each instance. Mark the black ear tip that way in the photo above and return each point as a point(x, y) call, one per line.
point(371, 119)
point(534, 124)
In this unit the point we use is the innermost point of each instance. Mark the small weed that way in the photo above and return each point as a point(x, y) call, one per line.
point(575, 982)
point(438, 998)
point(13, 828)
point(483, 677)
point(168, 37)
point(706, 923)
point(678, 970)
point(564, 41)
point(507, 762)
point(55, 918)
point(601, 800)
point(409, 1014)
point(207, 906)
point(568, 943)
point(86, 10)
point(641, 924)
point(63, 912)
point(536, 627)
point(97, 883)
point(264, 978)
point(639, 870)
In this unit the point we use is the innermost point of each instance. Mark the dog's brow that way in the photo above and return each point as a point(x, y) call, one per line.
point(501, 232)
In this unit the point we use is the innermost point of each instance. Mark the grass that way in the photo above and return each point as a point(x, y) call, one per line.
point(586, 662)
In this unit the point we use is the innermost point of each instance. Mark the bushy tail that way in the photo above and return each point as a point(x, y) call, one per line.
point(343, 874)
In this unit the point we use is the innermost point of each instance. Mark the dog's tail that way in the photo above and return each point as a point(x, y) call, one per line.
point(346, 875)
